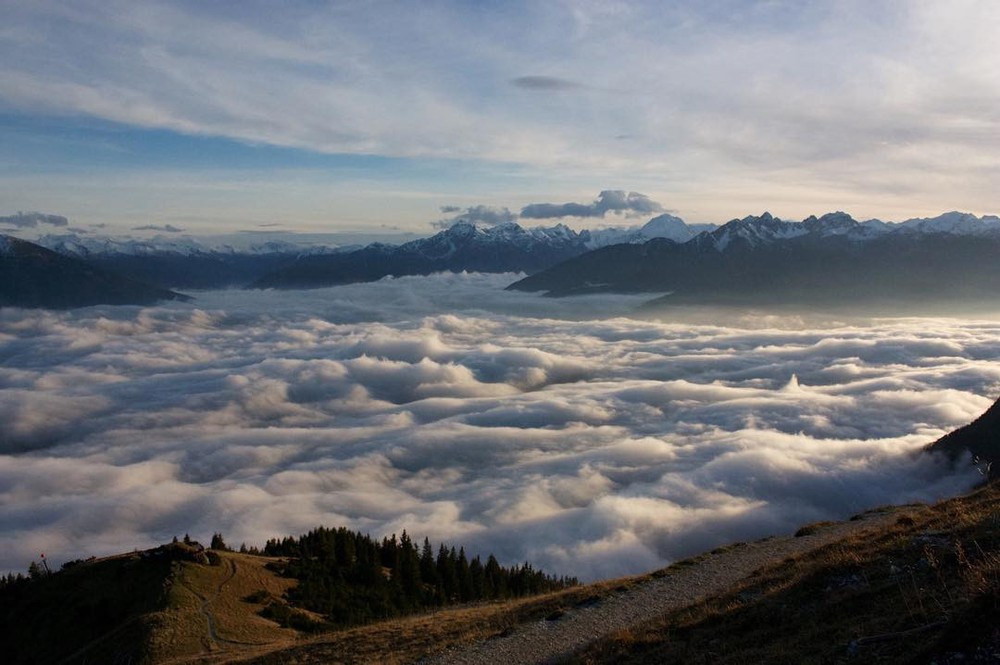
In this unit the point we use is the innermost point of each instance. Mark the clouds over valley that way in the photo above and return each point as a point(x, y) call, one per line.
point(561, 431)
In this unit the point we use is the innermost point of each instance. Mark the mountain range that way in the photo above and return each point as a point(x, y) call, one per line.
point(763, 259)
point(33, 276)
point(752, 260)
point(506, 247)
point(198, 263)
point(184, 262)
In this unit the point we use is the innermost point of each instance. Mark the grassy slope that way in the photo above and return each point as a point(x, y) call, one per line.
point(198, 592)
point(932, 565)
point(925, 587)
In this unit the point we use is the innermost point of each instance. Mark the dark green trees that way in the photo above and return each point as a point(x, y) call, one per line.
point(352, 578)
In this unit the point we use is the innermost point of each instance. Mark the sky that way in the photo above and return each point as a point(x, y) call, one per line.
point(566, 432)
point(373, 116)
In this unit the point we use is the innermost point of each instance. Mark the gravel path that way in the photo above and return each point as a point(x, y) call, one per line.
point(549, 641)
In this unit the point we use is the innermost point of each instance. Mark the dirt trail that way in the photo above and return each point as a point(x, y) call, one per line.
point(213, 635)
point(549, 641)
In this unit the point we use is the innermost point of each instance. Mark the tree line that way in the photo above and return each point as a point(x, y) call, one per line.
point(352, 578)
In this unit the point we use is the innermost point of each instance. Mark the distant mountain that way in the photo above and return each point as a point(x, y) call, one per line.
point(503, 248)
point(763, 259)
point(33, 276)
point(980, 438)
point(183, 262)
point(506, 247)
point(664, 226)
point(724, 261)
point(954, 223)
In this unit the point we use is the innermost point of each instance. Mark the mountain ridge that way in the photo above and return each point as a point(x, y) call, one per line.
point(188, 262)
point(33, 276)
point(762, 259)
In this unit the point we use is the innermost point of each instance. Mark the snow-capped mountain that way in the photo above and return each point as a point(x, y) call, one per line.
point(752, 232)
point(761, 258)
point(72, 244)
point(183, 262)
point(763, 230)
point(180, 261)
point(505, 247)
point(954, 223)
point(664, 226)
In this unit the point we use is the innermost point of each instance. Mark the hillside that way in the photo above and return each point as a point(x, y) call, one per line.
point(891, 585)
point(33, 276)
point(922, 587)
point(980, 438)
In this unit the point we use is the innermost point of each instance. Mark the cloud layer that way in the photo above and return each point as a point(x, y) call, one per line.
point(31, 220)
point(557, 431)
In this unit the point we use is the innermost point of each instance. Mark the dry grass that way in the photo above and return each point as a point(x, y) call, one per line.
point(927, 583)
point(182, 632)
point(934, 566)
point(410, 639)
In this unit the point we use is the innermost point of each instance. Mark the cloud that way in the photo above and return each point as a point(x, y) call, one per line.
point(479, 214)
point(616, 201)
point(566, 432)
point(719, 105)
point(32, 219)
point(544, 83)
point(166, 228)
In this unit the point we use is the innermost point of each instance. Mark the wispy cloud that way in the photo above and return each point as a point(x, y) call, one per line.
point(32, 219)
point(805, 102)
point(166, 228)
point(544, 83)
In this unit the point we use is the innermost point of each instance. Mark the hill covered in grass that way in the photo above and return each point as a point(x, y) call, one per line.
point(181, 600)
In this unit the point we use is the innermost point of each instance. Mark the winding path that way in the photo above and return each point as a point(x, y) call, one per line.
point(549, 641)
point(213, 635)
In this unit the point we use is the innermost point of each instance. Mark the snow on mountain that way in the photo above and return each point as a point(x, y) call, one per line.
point(954, 223)
point(668, 226)
point(664, 226)
point(83, 246)
point(508, 234)
point(753, 231)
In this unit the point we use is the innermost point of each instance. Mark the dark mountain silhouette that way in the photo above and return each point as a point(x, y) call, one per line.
point(32, 276)
point(764, 260)
point(981, 438)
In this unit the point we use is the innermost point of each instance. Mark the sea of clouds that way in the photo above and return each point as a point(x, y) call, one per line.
point(570, 432)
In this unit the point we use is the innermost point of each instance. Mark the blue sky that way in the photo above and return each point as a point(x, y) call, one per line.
point(362, 116)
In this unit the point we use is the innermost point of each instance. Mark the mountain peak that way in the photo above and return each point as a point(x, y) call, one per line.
point(753, 231)
point(667, 226)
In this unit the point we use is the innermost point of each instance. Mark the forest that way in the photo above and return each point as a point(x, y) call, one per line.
point(351, 578)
